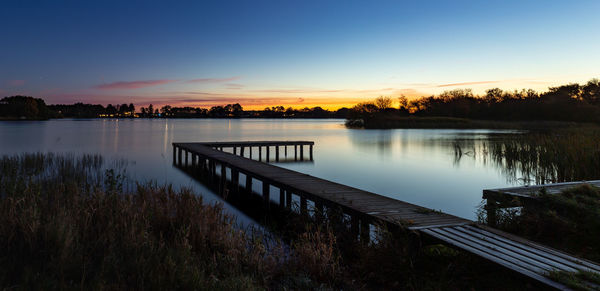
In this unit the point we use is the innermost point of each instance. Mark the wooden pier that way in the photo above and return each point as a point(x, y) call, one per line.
point(248, 146)
point(518, 196)
point(366, 210)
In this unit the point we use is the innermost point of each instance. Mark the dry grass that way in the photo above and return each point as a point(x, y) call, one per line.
point(72, 222)
point(68, 222)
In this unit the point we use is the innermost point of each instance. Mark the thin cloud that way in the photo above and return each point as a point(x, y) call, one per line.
point(132, 84)
point(467, 83)
point(212, 80)
point(409, 92)
point(233, 86)
point(297, 91)
point(15, 83)
point(324, 91)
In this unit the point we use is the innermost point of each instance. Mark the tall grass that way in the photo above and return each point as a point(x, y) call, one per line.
point(539, 157)
point(78, 222)
point(70, 222)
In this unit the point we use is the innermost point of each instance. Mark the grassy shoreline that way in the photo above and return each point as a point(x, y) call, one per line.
point(71, 222)
point(394, 121)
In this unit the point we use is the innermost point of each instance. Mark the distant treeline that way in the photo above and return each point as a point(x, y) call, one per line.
point(572, 102)
point(237, 111)
point(24, 107)
point(21, 107)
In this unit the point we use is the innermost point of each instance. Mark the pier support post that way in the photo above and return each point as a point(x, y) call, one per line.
point(302, 152)
point(213, 169)
point(311, 152)
point(180, 156)
point(288, 200)
point(303, 206)
point(319, 211)
point(295, 152)
point(365, 231)
point(277, 153)
point(267, 147)
point(223, 178)
point(194, 160)
point(281, 198)
point(354, 225)
point(285, 150)
point(491, 208)
point(266, 195)
point(235, 150)
point(174, 154)
point(248, 183)
point(250, 151)
point(241, 151)
point(235, 180)
point(259, 153)
point(202, 162)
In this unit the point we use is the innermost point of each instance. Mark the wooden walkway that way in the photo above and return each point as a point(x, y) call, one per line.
point(367, 205)
point(517, 196)
point(366, 209)
point(267, 145)
point(531, 192)
point(528, 258)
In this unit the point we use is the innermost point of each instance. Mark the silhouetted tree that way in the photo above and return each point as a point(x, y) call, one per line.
point(383, 102)
point(166, 110)
point(24, 107)
point(494, 95)
point(150, 110)
point(591, 92)
point(110, 109)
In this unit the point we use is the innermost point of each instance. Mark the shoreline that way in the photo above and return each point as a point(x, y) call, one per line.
point(414, 122)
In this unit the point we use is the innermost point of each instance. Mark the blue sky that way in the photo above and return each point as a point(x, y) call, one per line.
point(299, 53)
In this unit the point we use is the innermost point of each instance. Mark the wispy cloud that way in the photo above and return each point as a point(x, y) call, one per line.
point(15, 83)
point(213, 80)
point(132, 84)
point(197, 93)
point(233, 86)
point(467, 83)
point(329, 92)
point(298, 91)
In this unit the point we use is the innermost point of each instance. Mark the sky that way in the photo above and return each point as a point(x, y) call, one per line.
point(291, 53)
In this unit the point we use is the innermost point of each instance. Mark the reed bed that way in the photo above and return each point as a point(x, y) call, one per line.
point(539, 157)
point(79, 222)
point(72, 222)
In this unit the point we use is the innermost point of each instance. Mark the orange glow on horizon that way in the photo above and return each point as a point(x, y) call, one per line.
point(332, 104)
point(297, 97)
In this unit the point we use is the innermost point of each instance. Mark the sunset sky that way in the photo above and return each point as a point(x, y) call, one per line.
point(291, 53)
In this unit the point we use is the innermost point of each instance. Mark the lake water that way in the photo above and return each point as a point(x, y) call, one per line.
point(413, 165)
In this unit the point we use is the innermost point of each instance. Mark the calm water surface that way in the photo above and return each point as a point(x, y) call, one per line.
point(417, 166)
